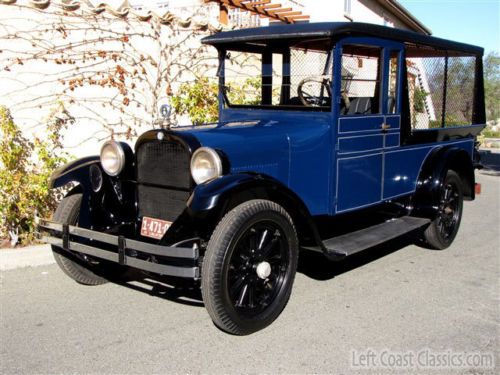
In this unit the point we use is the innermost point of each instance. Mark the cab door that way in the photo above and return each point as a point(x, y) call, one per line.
point(366, 80)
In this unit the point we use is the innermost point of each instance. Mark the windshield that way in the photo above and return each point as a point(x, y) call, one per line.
point(293, 77)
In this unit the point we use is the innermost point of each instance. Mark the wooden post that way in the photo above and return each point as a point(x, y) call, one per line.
point(223, 14)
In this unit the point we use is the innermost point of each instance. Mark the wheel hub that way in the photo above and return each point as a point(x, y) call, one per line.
point(263, 270)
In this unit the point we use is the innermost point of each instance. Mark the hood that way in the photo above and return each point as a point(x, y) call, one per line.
point(262, 146)
point(256, 146)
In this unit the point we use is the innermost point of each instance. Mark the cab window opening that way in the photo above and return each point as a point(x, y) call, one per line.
point(297, 76)
point(441, 88)
point(361, 80)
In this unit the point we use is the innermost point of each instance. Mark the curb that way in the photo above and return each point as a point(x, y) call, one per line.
point(31, 256)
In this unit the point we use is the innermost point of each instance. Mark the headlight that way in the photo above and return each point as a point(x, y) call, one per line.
point(205, 165)
point(112, 158)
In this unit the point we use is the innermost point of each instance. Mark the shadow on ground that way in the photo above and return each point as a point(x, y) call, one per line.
point(491, 162)
point(185, 292)
point(312, 264)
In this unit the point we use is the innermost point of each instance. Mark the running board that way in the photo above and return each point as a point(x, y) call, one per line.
point(354, 242)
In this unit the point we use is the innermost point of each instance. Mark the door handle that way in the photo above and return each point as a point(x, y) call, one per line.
point(385, 127)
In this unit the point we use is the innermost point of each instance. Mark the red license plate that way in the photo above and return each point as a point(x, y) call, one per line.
point(154, 228)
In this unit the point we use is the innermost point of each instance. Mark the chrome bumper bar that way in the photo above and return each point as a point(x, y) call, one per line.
point(66, 237)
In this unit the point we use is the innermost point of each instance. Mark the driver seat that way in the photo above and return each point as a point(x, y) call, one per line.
point(359, 106)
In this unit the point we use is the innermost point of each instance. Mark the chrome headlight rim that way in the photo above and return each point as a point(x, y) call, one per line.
point(117, 147)
point(214, 157)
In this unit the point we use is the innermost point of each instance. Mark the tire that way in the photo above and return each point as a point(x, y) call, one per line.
point(443, 229)
point(243, 290)
point(79, 267)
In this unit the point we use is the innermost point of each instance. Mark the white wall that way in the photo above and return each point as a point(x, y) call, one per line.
point(32, 89)
point(369, 11)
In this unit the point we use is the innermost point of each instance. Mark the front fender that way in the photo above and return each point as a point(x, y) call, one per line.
point(77, 171)
point(213, 200)
point(208, 196)
point(74, 171)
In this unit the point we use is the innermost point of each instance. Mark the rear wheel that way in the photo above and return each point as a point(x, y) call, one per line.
point(249, 267)
point(79, 267)
point(443, 229)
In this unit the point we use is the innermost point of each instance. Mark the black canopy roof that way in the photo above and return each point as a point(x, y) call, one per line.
point(335, 30)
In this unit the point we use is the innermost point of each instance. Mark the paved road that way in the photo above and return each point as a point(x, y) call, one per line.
point(396, 296)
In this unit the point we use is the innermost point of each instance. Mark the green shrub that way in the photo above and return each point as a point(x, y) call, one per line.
point(419, 100)
point(25, 169)
point(246, 93)
point(198, 100)
point(490, 133)
point(449, 121)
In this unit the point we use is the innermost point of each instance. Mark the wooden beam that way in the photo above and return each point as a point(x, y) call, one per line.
point(288, 14)
point(269, 10)
point(267, 6)
point(256, 2)
point(298, 18)
point(281, 10)
point(277, 12)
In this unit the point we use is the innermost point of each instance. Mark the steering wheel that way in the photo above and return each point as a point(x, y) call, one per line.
point(311, 100)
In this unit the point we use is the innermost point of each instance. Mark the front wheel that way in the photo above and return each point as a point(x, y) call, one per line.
point(443, 229)
point(81, 268)
point(249, 267)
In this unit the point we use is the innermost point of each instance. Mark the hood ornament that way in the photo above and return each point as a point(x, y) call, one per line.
point(164, 118)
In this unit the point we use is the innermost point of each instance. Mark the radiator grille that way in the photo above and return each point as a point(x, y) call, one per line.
point(163, 163)
point(161, 203)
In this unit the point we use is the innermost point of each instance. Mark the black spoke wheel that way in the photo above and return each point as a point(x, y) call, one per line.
point(443, 229)
point(249, 267)
point(81, 268)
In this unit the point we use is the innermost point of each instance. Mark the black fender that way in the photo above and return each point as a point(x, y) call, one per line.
point(211, 201)
point(111, 208)
point(74, 171)
point(77, 171)
point(433, 173)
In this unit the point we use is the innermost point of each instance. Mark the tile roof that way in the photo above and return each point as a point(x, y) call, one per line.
point(124, 10)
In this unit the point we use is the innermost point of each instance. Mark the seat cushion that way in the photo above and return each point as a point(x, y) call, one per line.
point(360, 106)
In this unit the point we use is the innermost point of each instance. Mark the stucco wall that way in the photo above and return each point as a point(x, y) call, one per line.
point(361, 11)
point(33, 81)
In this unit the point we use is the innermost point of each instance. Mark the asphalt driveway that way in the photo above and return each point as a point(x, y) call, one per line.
point(395, 298)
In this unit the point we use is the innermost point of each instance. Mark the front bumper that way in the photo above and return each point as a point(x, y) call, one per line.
point(85, 241)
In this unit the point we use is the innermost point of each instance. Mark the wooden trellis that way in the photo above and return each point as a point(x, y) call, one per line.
point(263, 8)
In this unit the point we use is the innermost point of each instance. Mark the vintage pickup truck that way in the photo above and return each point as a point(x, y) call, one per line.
point(332, 137)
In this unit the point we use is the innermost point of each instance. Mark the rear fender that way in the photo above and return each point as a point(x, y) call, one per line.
point(433, 174)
